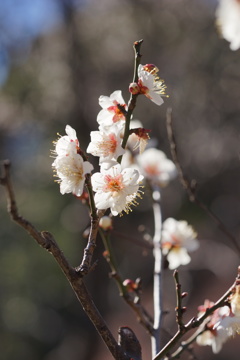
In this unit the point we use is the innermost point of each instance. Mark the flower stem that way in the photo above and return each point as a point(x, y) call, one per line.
point(133, 98)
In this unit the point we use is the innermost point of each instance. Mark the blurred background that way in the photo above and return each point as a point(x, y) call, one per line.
point(56, 58)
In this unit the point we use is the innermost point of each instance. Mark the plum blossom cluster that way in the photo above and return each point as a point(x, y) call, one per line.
point(69, 165)
point(178, 239)
point(228, 20)
point(223, 324)
point(116, 186)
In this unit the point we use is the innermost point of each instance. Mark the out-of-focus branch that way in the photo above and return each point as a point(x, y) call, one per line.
point(196, 322)
point(47, 241)
point(137, 241)
point(133, 301)
point(158, 269)
point(190, 186)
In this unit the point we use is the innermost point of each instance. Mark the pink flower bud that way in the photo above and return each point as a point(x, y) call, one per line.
point(134, 88)
point(130, 285)
point(105, 223)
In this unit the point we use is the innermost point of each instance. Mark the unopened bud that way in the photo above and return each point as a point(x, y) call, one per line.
point(134, 88)
point(130, 285)
point(105, 223)
point(184, 294)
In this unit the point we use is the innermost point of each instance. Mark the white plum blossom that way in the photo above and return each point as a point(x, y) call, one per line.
point(138, 137)
point(149, 84)
point(69, 165)
point(67, 143)
point(220, 326)
point(228, 20)
point(156, 167)
point(116, 189)
point(229, 324)
point(107, 144)
point(214, 335)
point(178, 238)
point(110, 113)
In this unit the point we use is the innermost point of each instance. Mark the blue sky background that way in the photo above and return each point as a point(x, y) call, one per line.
point(21, 22)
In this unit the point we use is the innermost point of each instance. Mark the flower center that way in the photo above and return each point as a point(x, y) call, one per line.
point(118, 115)
point(108, 145)
point(113, 184)
point(151, 170)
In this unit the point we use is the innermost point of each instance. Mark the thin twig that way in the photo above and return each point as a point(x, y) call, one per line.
point(185, 344)
point(133, 98)
point(179, 309)
point(190, 186)
point(142, 315)
point(47, 241)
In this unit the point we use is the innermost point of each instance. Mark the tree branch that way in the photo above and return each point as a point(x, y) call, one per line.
point(133, 301)
point(47, 241)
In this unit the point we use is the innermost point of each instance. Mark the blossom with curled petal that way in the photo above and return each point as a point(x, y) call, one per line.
point(110, 113)
point(149, 84)
point(71, 171)
point(67, 143)
point(107, 144)
point(116, 189)
point(228, 20)
point(156, 167)
point(69, 165)
point(178, 239)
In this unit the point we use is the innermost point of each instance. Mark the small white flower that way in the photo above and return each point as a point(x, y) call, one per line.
point(150, 84)
point(178, 238)
point(156, 167)
point(228, 19)
point(133, 139)
point(212, 336)
point(105, 223)
point(229, 324)
point(107, 144)
point(67, 143)
point(71, 171)
point(116, 189)
point(110, 112)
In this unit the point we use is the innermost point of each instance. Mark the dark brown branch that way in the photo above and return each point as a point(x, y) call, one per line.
point(129, 343)
point(190, 186)
point(179, 309)
point(142, 315)
point(47, 241)
point(133, 98)
point(86, 264)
